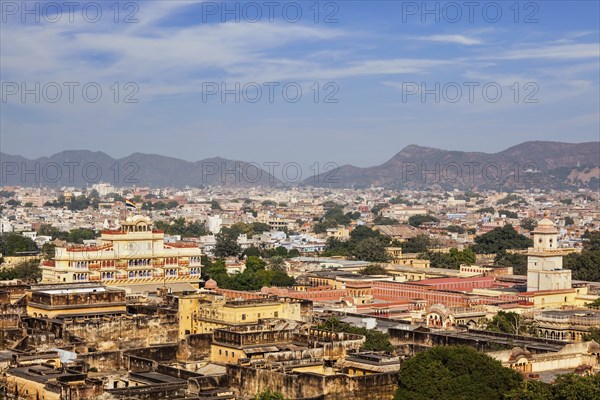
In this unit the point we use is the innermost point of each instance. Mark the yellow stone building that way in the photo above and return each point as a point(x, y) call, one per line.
point(406, 260)
point(205, 312)
point(68, 300)
point(133, 254)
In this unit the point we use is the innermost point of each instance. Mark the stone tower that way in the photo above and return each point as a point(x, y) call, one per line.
point(545, 260)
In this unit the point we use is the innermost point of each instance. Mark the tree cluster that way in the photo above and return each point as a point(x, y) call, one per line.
point(77, 235)
point(418, 220)
point(374, 340)
point(565, 387)
point(159, 205)
point(451, 260)
point(178, 226)
point(584, 265)
point(513, 323)
point(256, 275)
point(364, 244)
point(13, 243)
point(419, 244)
point(500, 239)
point(25, 270)
point(454, 372)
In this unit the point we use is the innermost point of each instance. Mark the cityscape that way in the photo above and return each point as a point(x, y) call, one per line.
point(299, 200)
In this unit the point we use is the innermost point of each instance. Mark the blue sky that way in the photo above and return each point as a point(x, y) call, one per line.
point(373, 57)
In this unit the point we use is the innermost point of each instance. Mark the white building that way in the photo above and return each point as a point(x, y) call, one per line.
point(545, 260)
point(214, 224)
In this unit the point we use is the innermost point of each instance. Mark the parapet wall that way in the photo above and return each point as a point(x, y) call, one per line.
point(251, 380)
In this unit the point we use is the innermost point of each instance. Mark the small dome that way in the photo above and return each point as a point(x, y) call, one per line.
point(545, 225)
point(210, 284)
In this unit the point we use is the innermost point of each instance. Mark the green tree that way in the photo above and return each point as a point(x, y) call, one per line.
point(517, 261)
point(530, 390)
point(585, 264)
point(378, 207)
point(252, 251)
point(511, 322)
point(48, 250)
point(569, 221)
point(594, 304)
point(254, 264)
point(451, 260)
point(499, 239)
point(456, 228)
point(373, 269)
point(26, 270)
point(179, 226)
point(374, 340)
point(528, 224)
point(418, 244)
point(593, 334)
point(508, 213)
point(336, 247)
point(269, 395)
point(277, 263)
point(454, 372)
point(379, 220)
point(364, 232)
point(78, 235)
point(574, 387)
point(52, 231)
point(418, 220)
point(214, 204)
point(370, 249)
point(227, 245)
point(13, 243)
point(293, 253)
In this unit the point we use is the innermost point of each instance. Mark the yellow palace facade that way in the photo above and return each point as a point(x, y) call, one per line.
point(133, 254)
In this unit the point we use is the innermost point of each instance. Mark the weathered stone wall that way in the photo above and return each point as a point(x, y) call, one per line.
point(195, 347)
point(162, 391)
point(195, 385)
point(123, 332)
point(167, 352)
point(176, 372)
point(485, 341)
point(250, 380)
point(10, 337)
point(103, 361)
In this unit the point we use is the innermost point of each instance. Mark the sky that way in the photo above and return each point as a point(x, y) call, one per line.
point(343, 82)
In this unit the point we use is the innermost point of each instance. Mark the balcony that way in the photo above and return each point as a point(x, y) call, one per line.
point(94, 266)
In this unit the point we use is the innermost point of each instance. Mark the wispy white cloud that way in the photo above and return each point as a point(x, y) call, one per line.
point(557, 52)
point(457, 39)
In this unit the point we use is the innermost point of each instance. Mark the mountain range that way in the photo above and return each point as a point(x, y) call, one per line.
point(537, 164)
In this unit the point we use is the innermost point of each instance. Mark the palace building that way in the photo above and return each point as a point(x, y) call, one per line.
point(133, 254)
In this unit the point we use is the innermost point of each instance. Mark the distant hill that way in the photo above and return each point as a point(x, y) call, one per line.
point(81, 167)
point(530, 164)
point(527, 165)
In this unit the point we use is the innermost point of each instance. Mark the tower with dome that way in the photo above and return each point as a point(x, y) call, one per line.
point(545, 260)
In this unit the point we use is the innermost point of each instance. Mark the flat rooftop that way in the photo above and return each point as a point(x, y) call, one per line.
point(74, 290)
